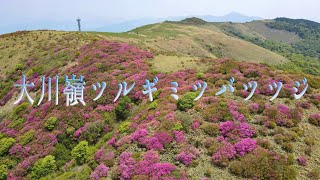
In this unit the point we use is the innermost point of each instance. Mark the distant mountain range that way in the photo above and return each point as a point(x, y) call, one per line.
point(121, 26)
point(128, 25)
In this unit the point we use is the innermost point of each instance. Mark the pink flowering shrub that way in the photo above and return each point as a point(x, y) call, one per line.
point(195, 125)
point(185, 158)
point(160, 169)
point(282, 115)
point(123, 140)
point(245, 146)
point(99, 172)
point(302, 161)
point(315, 119)
point(19, 151)
point(233, 131)
point(156, 141)
point(246, 130)
point(81, 130)
point(139, 135)
point(163, 137)
point(188, 155)
point(225, 152)
point(103, 155)
point(304, 105)
point(126, 166)
point(151, 167)
point(112, 141)
point(254, 107)
point(143, 167)
point(179, 136)
point(25, 165)
point(153, 143)
point(226, 127)
point(237, 116)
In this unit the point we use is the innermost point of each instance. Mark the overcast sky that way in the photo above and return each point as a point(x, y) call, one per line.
point(30, 10)
point(61, 14)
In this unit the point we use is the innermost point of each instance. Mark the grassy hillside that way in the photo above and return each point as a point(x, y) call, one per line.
point(19, 47)
point(308, 31)
point(295, 40)
point(198, 41)
point(216, 137)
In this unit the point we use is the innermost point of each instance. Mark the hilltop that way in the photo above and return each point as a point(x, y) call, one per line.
point(195, 41)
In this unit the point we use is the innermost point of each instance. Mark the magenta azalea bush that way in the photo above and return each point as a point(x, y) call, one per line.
point(302, 161)
point(148, 166)
point(100, 172)
point(315, 119)
point(235, 131)
point(224, 153)
point(245, 146)
point(187, 155)
point(126, 165)
point(179, 136)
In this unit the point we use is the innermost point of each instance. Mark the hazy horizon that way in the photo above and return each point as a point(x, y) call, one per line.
point(19, 15)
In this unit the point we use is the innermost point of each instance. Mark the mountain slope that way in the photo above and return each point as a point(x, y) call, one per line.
point(205, 40)
point(302, 35)
point(216, 137)
point(297, 40)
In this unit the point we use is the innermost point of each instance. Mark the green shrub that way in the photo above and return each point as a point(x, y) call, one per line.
point(263, 165)
point(186, 101)
point(6, 144)
point(17, 122)
point(27, 137)
point(93, 133)
point(263, 131)
point(153, 105)
point(288, 147)
point(272, 125)
point(122, 111)
point(184, 118)
point(62, 154)
point(279, 138)
point(104, 139)
point(43, 167)
point(109, 117)
point(51, 123)
point(16, 111)
point(124, 126)
point(80, 152)
point(200, 75)
point(83, 173)
point(211, 128)
point(217, 112)
point(290, 172)
point(177, 127)
point(79, 173)
point(65, 138)
point(19, 67)
point(264, 143)
point(290, 159)
point(3, 172)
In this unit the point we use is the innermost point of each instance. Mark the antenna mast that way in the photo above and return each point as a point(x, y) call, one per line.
point(79, 25)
